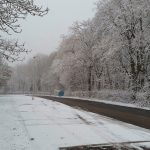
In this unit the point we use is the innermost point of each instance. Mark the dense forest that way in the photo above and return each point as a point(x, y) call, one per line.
point(106, 57)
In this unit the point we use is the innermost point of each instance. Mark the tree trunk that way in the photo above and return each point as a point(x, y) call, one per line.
point(89, 80)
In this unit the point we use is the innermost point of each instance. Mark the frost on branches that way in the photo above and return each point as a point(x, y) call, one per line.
point(11, 11)
point(110, 52)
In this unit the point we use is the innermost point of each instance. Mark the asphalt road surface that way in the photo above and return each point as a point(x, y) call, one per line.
point(133, 115)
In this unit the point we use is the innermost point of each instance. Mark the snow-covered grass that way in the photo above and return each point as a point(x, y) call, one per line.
point(38, 124)
point(113, 96)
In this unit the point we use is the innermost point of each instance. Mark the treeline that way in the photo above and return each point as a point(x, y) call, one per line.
point(110, 51)
point(5, 74)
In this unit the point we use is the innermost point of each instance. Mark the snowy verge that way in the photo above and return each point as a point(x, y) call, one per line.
point(102, 101)
point(117, 97)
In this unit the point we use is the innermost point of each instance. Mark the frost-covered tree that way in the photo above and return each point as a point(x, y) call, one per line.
point(5, 73)
point(110, 51)
point(88, 38)
point(11, 11)
point(37, 75)
point(129, 21)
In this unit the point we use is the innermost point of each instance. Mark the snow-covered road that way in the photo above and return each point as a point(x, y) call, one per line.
point(39, 124)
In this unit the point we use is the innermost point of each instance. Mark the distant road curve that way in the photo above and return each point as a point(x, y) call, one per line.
point(136, 116)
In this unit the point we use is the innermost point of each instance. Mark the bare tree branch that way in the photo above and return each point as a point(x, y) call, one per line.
point(11, 11)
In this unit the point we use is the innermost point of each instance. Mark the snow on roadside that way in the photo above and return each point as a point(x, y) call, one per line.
point(39, 124)
point(113, 96)
point(108, 102)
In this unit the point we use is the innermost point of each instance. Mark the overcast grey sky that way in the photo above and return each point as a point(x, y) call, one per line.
point(42, 35)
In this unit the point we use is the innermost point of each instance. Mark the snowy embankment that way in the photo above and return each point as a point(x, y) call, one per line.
point(117, 97)
point(38, 124)
point(108, 102)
